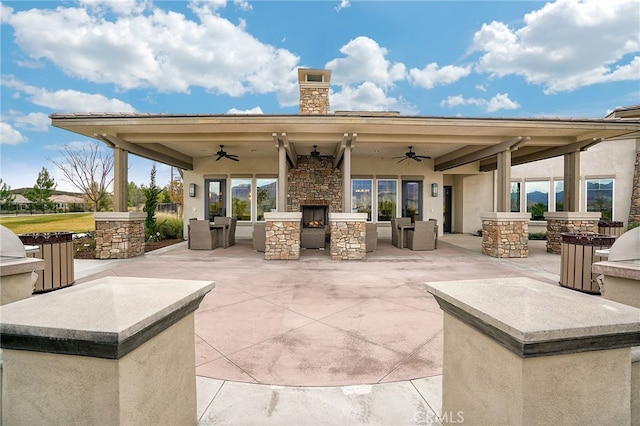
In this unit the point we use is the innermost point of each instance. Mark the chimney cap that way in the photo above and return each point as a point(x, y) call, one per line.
point(314, 77)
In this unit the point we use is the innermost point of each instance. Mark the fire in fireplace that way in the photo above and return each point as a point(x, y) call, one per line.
point(314, 216)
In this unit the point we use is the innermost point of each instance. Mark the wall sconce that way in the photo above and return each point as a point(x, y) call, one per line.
point(434, 189)
point(192, 190)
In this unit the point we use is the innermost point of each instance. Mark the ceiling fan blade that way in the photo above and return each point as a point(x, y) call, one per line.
point(422, 156)
point(404, 158)
point(234, 158)
point(219, 157)
point(417, 159)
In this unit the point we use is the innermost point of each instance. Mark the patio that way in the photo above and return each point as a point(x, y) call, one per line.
point(313, 340)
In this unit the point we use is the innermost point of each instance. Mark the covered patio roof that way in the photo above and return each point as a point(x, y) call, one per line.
point(178, 139)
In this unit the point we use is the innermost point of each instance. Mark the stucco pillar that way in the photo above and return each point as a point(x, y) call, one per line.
point(571, 200)
point(346, 180)
point(117, 350)
point(504, 181)
point(519, 351)
point(120, 179)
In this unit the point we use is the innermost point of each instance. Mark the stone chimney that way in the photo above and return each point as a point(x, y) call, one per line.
point(314, 91)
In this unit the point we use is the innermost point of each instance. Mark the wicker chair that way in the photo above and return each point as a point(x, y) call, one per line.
point(259, 236)
point(227, 235)
point(371, 239)
point(435, 227)
point(422, 237)
point(201, 237)
point(395, 224)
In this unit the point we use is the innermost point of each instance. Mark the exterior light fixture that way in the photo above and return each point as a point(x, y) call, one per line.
point(434, 189)
point(192, 190)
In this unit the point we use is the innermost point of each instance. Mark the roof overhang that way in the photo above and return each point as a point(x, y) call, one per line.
point(451, 141)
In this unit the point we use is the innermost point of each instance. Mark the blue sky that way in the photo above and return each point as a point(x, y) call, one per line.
point(566, 58)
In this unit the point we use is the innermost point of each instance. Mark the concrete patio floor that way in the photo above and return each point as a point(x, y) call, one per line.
point(316, 341)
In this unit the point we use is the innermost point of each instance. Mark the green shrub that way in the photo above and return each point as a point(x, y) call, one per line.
point(632, 225)
point(168, 227)
point(537, 235)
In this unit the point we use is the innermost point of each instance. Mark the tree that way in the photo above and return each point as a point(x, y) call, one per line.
point(6, 196)
point(135, 195)
point(151, 194)
point(175, 190)
point(89, 169)
point(40, 194)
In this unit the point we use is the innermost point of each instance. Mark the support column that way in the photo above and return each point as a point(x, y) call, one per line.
point(119, 235)
point(120, 179)
point(348, 236)
point(346, 179)
point(505, 234)
point(282, 177)
point(504, 181)
point(521, 351)
point(576, 222)
point(117, 350)
point(282, 235)
point(571, 198)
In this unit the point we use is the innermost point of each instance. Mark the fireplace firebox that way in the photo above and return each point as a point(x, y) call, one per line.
point(315, 216)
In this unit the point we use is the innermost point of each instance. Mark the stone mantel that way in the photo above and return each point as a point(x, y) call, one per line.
point(505, 216)
point(119, 216)
point(572, 215)
point(282, 216)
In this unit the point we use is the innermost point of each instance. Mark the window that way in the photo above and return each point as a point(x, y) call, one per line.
point(559, 195)
point(241, 198)
point(515, 196)
point(412, 199)
point(387, 199)
point(361, 190)
point(537, 199)
point(266, 196)
point(600, 197)
point(215, 198)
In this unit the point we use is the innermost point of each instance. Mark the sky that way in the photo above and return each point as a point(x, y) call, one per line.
point(567, 58)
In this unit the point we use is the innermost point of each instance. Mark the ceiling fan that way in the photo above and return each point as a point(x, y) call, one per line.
point(412, 155)
point(315, 152)
point(223, 154)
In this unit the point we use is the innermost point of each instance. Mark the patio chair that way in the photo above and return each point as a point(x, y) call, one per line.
point(395, 224)
point(435, 227)
point(227, 235)
point(422, 237)
point(201, 237)
point(371, 240)
point(259, 236)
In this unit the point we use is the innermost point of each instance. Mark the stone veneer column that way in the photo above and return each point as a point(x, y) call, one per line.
point(113, 351)
point(519, 351)
point(559, 222)
point(282, 235)
point(505, 234)
point(119, 235)
point(348, 236)
point(634, 209)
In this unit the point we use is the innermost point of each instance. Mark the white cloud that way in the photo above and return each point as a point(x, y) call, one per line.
point(143, 46)
point(365, 61)
point(35, 121)
point(565, 45)
point(481, 87)
point(432, 75)
point(252, 111)
point(365, 97)
point(67, 100)
point(343, 5)
point(496, 103)
point(9, 135)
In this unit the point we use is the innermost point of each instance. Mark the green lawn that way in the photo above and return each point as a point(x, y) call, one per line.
point(61, 222)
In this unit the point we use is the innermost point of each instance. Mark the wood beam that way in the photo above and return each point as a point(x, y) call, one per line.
point(291, 150)
point(452, 160)
point(582, 145)
point(339, 152)
point(179, 160)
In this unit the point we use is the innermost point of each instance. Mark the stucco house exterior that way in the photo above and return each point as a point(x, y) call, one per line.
point(365, 162)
